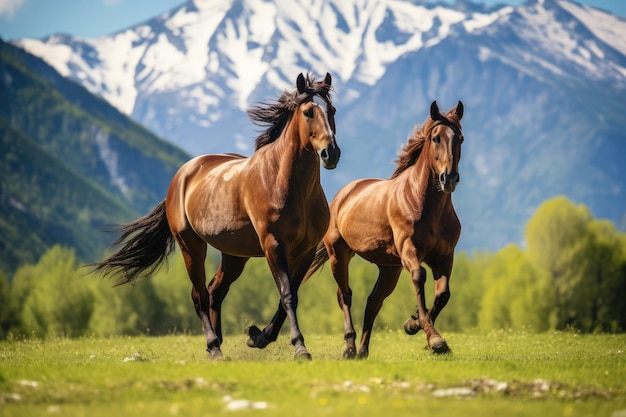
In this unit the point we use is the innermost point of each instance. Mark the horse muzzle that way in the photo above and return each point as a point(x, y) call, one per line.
point(448, 182)
point(330, 156)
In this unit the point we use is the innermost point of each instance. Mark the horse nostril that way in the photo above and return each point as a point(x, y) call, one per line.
point(442, 178)
point(324, 154)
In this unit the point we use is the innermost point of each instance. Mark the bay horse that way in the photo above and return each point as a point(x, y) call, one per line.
point(400, 222)
point(270, 204)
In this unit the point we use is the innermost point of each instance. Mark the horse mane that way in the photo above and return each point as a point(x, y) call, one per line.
point(413, 149)
point(277, 114)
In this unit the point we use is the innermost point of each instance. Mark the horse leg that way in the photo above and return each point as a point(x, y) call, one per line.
point(435, 341)
point(258, 338)
point(412, 324)
point(288, 289)
point(194, 253)
point(261, 338)
point(387, 280)
point(229, 270)
point(442, 291)
point(339, 255)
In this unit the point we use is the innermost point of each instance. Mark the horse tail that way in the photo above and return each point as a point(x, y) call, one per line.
point(143, 246)
point(321, 256)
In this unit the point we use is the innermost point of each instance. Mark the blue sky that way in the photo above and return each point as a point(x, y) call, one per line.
point(92, 18)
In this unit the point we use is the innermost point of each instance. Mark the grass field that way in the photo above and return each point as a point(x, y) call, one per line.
point(501, 373)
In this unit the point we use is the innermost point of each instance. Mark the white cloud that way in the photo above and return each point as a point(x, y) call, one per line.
point(9, 7)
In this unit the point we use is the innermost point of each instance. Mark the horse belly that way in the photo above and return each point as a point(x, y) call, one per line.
point(361, 219)
point(370, 238)
point(241, 242)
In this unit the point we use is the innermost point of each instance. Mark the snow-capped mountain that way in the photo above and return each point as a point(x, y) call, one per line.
point(188, 69)
point(544, 86)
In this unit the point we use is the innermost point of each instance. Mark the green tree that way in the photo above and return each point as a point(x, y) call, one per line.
point(516, 294)
point(557, 237)
point(24, 281)
point(60, 303)
point(129, 309)
point(600, 294)
point(584, 259)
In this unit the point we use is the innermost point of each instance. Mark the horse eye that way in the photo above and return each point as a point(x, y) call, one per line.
point(436, 139)
point(308, 113)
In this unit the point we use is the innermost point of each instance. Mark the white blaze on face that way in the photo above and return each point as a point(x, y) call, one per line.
point(324, 106)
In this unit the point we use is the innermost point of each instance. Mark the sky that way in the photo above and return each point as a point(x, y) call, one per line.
point(93, 18)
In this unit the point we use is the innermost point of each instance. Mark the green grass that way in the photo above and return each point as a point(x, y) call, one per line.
point(500, 373)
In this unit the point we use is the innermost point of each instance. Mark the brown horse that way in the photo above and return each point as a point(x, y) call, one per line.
point(400, 222)
point(270, 204)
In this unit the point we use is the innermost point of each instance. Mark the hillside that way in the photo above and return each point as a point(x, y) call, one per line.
point(44, 202)
point(70, 163)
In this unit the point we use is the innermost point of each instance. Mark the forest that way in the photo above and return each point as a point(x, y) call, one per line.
point(568, 274)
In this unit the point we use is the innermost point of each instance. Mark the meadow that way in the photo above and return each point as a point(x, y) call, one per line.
point(504, 373)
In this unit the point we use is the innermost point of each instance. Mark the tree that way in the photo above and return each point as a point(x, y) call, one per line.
point(23, 283)
point(516, 295)
point(600, 296)
point(129, 309)
point(59, 303)
point(584, 259)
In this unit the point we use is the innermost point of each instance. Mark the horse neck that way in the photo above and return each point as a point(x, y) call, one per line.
point(423, 191)
point(297, 164)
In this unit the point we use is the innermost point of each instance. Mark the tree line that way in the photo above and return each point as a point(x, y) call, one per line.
point(570, 273)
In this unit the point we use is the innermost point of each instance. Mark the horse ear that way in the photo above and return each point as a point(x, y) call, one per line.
point(328, 79)
point(459, 109)
point(301, 84)
point(434, 111)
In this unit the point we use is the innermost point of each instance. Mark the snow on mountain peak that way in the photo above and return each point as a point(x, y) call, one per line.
point(609, 28)
point(244, 42)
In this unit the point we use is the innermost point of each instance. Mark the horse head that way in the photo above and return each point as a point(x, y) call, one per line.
point(316, 119)
point(445, 146)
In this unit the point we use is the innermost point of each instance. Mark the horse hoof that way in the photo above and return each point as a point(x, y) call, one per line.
point(363, 354)
point(349, 353)
point(216, 354)
point(254, 337)
point(412, 326)
point(302, 355)
point(438, 345)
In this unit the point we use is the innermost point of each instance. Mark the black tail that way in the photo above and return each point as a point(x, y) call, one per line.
point(321, 256)
point(143, 246)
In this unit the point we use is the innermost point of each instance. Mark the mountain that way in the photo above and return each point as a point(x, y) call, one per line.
point(543, 85)
point(70, 163)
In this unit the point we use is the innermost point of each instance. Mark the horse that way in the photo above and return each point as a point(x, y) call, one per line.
point(400, 222)
point(270, 205)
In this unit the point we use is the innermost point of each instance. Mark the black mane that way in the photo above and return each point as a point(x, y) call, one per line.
point(278, 114)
